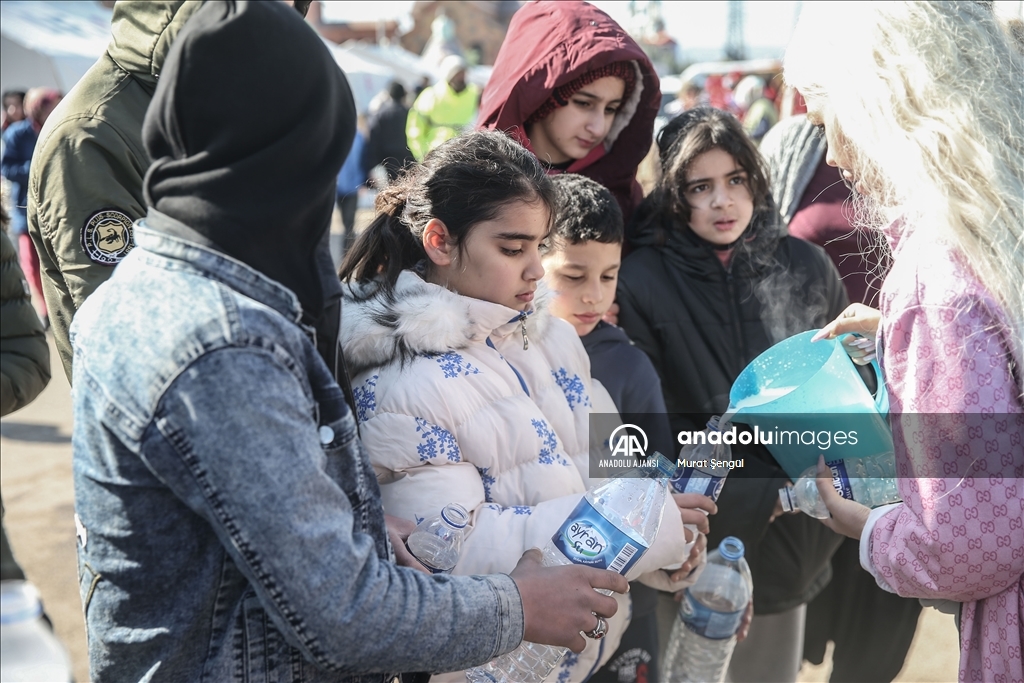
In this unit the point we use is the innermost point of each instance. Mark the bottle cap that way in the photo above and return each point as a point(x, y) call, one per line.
point(786, 498)
point(731, 548)
point(455, 515)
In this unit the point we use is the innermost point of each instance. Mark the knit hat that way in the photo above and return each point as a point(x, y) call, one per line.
point(560, 95)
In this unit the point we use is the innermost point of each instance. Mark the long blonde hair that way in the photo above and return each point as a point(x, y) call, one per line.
point(930, 98)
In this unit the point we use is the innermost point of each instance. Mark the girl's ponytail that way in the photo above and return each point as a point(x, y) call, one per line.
point(463, 182)
point(387, 246)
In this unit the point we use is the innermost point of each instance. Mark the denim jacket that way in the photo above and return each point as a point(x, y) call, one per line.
point(229, 522)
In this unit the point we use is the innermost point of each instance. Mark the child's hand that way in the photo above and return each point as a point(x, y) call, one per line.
point(694, 509)
point(698, 548)
point(848, 517)
point(398, 531)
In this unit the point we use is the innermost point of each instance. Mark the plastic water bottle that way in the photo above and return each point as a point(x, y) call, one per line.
point(611, 528)
point(710, 614)
point(700, 469)
point(28, 649)
point(437, 541)
point(870, 481)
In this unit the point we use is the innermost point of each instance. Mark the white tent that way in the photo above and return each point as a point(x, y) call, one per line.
point(50, 43)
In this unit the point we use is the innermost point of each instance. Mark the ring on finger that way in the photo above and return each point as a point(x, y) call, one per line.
point(599, 631)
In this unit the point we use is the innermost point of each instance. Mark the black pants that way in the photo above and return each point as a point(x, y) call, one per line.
point(347, 205)
point(871, 628)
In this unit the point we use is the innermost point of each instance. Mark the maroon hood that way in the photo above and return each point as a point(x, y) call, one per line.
point(550, 43)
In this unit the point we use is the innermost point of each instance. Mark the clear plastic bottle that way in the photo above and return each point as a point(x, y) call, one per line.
point(704, 635)
point(611, 528)
point(437, 542)
point(29, 651)
point(697, 473)
point(870, 481)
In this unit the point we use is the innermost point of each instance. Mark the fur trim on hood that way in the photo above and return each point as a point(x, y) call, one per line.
point(421, 317)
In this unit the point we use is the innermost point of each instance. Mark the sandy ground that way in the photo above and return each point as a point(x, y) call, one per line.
point(36, 479)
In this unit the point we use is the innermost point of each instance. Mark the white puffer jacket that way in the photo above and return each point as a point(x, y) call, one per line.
point(454, 408)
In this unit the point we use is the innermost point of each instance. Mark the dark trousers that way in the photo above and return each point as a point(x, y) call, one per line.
point(871, 628)
point(347, 205)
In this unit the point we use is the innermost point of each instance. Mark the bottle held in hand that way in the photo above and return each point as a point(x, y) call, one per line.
point(870, 481)
point(710, 613)
point(437, 541)
point(611, 528)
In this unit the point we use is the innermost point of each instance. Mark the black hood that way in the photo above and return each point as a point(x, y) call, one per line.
point(249, 126)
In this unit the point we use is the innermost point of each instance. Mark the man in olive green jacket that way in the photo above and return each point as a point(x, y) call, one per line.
point(85, 185)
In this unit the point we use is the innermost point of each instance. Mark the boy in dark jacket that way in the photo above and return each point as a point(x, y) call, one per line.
point(582, 270)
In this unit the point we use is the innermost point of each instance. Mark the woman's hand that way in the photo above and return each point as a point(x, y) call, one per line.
point(862, 322)
point(696, 550)
point(399, 530)
point(848, 516)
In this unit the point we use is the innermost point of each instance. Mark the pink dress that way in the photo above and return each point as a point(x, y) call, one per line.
point(958, 421)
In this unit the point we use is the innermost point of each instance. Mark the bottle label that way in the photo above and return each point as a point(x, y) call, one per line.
point(840, 479)
point(705, 621)
point(589, 539)
point(692, 480)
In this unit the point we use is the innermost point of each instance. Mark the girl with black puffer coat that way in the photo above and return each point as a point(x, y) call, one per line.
point(712, 282)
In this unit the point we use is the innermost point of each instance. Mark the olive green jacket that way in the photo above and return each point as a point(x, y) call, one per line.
point(24, 354)
point(85, 185)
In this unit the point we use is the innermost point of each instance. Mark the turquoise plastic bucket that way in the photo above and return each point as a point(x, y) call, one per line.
point(814, 390)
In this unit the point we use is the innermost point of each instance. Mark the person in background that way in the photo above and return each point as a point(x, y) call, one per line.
point(270, 504)
point(574, 88)
point(689, 96)
point(816, 205)
point(757, 112)
point(85, 187)
point(938, 168)
point(713, 282)
point(14, 108)
point(24, 373)
point(350, 179)
point(19, 144)
point(582, 268)
point(852, 611)
point(442, 111)
point(386, 143)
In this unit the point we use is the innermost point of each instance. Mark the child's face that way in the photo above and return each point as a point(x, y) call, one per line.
point(572, 131)
point(500, 259)
point(718, 193)
point(583, 276)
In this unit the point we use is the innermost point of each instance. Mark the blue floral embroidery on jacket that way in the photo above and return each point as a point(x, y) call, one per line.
point(366, 399)
point(488, 482)
point(436, 442)
point(549, 454)
point(453, 364)
point(516, 509)
point(572, 387)
point(568, 662)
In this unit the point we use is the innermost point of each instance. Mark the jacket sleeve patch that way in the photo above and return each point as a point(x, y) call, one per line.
point(107, 236)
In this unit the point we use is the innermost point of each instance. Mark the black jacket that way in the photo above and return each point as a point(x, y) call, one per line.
point(701, 325)
point(386, 143)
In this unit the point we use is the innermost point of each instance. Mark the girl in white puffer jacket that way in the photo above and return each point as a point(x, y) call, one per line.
point(467, 390)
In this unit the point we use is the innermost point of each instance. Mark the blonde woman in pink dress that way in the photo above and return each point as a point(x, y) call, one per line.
point(922, 105)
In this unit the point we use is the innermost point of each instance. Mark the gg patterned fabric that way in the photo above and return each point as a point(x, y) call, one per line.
point(958, 422)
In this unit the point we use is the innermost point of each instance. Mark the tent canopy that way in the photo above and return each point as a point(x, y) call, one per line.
point(50, 43)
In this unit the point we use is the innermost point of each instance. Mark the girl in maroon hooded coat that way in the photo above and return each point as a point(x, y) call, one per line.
point(573, 87)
